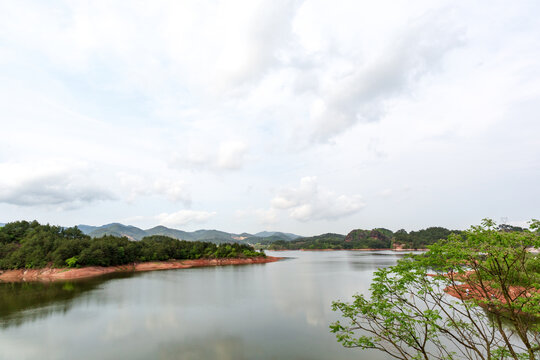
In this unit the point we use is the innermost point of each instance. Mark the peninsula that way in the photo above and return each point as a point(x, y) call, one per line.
point(30, 251)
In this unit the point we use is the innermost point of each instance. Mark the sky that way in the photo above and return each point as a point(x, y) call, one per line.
point(299, 116)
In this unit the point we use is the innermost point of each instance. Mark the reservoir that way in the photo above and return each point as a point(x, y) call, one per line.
point(279, 310)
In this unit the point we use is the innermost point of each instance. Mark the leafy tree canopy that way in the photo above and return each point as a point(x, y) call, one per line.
point(474, 295)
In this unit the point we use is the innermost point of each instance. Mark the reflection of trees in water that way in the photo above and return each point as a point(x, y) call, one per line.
point(29, 301)
point(363, 261)
point(308, 284)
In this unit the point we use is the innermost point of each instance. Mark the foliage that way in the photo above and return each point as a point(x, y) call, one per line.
point(378, 238)
point(481, 300)
point(324, 241)
point(71, 262)
point(422, 238)
point(369, 239)
point(31, 245)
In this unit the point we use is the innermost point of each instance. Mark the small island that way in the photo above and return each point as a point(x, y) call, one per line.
point(30, 251)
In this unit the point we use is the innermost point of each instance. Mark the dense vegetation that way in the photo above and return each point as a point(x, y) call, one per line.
point(493, 275)
point(422, 238)
point(370, 239)
point(31, 245)
point(379, 238)
point(324, 241)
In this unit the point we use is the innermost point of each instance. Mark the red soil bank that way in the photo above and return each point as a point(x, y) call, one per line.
point(394, 249)
point(467, 290)
point(53, 274)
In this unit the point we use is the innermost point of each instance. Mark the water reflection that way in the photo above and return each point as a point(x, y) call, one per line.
point(369, 260)
point(269, 311)
point(28, 301)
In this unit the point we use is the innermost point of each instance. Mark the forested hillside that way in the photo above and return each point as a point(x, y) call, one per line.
point(135, 233)
point(324, 241)
point(24, 244)
point(422, 238)
point(369, 239)
point(379, 238)
point(214, 236)
point(32, 245)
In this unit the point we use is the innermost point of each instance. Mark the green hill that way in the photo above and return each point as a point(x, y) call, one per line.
point(422, 238)
point(266, 240)
point(213, 236)
point(27, 245)
point(87, 229)
point(276, 234)
point(356, 239)
point(116, 229)
point(324, 241)
point(165, 231)
point(135, 233)
point(369, 239)
point(378, 238)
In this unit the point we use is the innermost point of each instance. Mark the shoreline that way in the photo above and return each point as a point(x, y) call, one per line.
point(396, 250)
point(58, 274)
point(488, 297)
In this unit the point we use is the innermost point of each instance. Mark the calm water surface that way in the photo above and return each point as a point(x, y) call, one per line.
point(269, 311)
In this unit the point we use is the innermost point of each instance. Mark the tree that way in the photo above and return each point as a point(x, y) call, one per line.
point(71, 262)
point(475, 295)
point(31, 245)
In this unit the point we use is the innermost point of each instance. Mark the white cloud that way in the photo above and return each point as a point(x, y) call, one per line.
point(173, 190)
point(184, 217)
point(226, 156)
point(310, 202)
point(52, 184)
point(267, 216)
point(231, 155)
point(241, 214)
point(255, 93)
point(352, 92)
point(252, 38)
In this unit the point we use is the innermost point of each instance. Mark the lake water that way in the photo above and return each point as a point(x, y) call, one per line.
point(279, 310)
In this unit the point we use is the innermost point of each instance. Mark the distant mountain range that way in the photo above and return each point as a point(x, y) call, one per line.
point(264, 234)
point(216, 236)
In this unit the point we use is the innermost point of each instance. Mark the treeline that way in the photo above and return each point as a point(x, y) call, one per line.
point(32, 245)
point(422, 238)
point(379, 238)
point(324, 241)
point(369, 239)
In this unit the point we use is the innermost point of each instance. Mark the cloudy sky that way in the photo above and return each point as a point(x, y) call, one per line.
point(301, 116)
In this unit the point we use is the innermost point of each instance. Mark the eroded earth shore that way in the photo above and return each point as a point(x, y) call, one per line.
point(54, 274)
